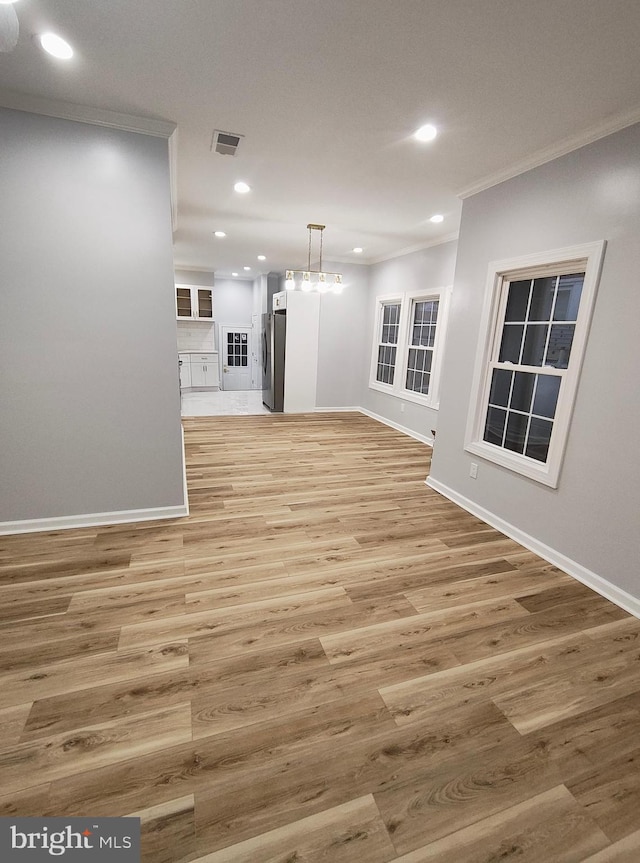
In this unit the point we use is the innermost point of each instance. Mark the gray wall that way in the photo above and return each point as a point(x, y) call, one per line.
point(202, 278)
point(90, 417)
point(233, 301)
point(427, 268)
point(592, 517)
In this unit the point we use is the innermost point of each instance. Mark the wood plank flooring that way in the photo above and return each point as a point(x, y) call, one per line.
point(326, 661)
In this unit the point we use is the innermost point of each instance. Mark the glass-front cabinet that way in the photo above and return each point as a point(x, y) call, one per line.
point(194, 303)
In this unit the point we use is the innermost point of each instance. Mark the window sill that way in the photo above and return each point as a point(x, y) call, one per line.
point(546, 474)
point(404, 395)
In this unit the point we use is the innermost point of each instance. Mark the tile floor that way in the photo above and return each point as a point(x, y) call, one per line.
point(220, 403)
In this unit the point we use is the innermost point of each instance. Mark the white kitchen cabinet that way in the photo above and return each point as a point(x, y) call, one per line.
point(204, 370)
point(194, 303)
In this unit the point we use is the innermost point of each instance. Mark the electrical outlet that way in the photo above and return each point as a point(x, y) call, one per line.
point(473, 470)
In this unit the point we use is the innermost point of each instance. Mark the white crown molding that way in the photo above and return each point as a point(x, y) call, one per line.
point(596, 582)
point(439, 241)
point(86, 114)
point(188, 269)
point(548, 154)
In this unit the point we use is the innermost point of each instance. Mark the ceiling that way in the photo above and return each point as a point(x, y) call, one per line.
point(327, 95)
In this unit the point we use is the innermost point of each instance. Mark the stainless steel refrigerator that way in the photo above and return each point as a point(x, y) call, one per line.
point(274, 330)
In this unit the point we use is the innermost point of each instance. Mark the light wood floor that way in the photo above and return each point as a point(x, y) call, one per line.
point(327, 661)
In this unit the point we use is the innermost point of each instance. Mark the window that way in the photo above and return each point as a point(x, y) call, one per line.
point(424, 319)
point(405, 361)
point(387, 342)
point(536, 318)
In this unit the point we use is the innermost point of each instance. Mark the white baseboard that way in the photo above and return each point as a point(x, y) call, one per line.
point(409, 432)
point(100, 519)
point(93, 519)
point(185, 487)
point(351, 410)
point(615, 594)
point(415, 435)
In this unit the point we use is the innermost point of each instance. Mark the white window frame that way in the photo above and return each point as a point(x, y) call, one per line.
point(585, 258)
point(407, 301)
point(381, 302)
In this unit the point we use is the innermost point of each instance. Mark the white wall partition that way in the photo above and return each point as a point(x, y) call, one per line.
point(90, 409)
point(589, 523)
point(342, 338)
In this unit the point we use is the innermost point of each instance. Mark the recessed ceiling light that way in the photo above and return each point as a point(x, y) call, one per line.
point(437, 218)
point(247, 268)
point(426, 133)
point(234, 274)
point(219, 234)
point(7, 2)
point(56, 46)
point(262, 257)
point(242, 188)
point(358, 250)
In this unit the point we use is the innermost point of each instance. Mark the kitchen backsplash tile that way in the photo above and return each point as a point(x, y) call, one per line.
point(196, 336)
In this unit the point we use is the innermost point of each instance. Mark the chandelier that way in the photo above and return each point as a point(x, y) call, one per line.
point(313, 280)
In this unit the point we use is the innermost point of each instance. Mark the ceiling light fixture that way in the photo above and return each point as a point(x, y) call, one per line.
point(426, 133)
point(313, 280)
point(56, 46)
point(437, 219)
point(219, 234)
point(234, 274)
point(262, 257)
point(7, 2)
point(247, 268)
point(242, 188)
point(357, 250)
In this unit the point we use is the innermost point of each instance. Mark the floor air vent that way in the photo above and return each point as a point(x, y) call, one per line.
point(225, 143)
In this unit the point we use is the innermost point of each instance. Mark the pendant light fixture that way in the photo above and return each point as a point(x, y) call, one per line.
point(313, 280)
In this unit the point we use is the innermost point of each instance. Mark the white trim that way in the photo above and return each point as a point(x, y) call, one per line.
point(418, 247)
point(409, 432)
point(94, 519)
point(407, 299)
point(353, 410)
point(185, 486)
point(173, 178)
point(85, 114)
point(396, 299)
point(548, 154)
point(589, 257)
point(596, 582)
point(99, 519)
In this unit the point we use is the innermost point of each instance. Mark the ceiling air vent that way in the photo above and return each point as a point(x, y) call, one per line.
point(225, 143)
